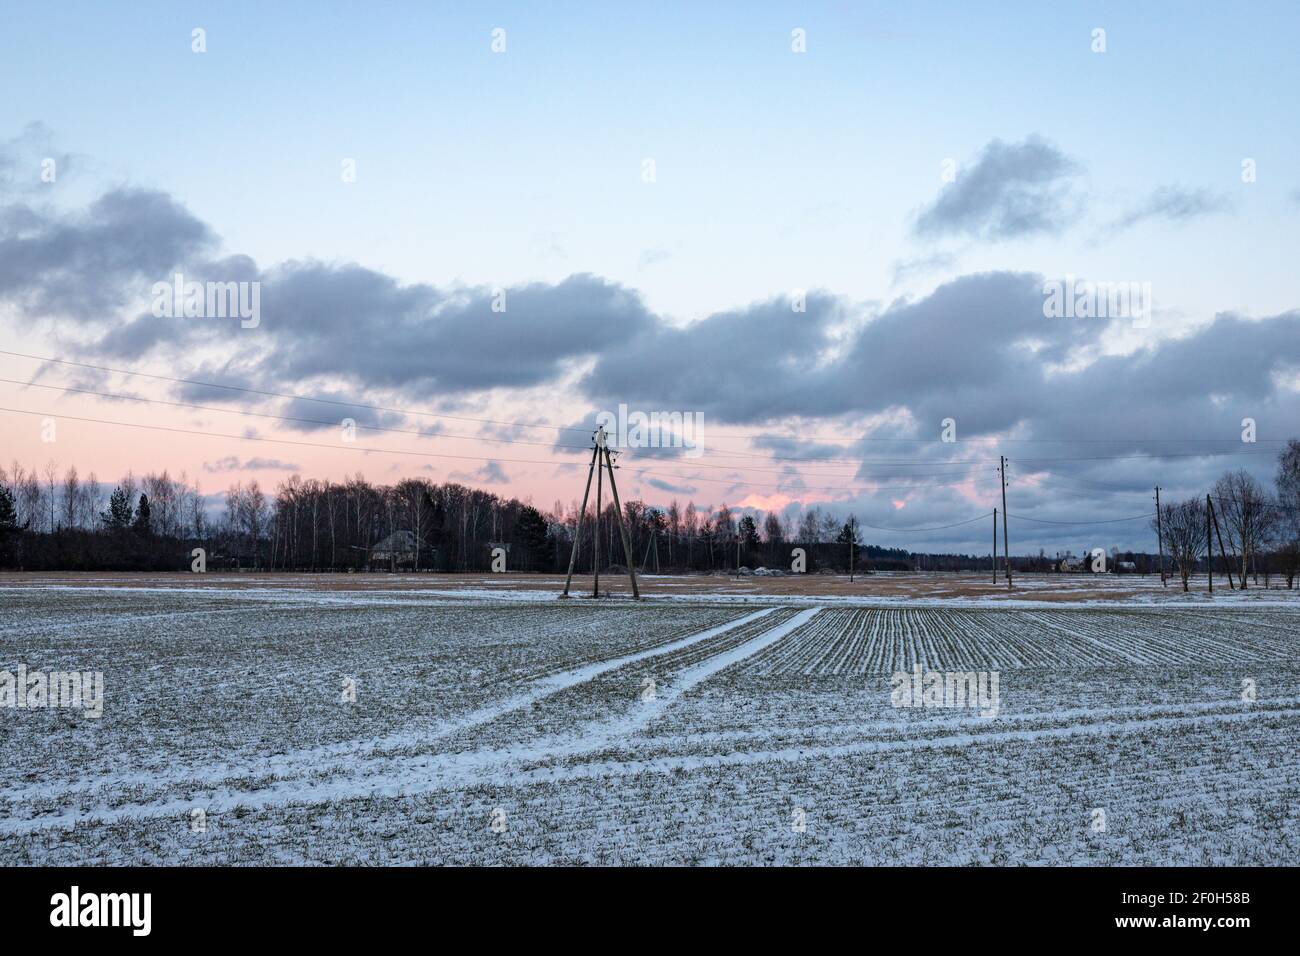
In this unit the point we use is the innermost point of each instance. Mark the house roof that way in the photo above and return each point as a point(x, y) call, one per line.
point(398, 541)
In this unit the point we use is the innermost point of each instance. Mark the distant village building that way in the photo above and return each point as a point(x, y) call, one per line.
point(400, 549)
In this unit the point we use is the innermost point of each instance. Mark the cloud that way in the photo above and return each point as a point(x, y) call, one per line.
point(795, 447)
point(207, 381)
point(978, 350)
point(317, 320)
point(490, 473)
point(924, 264)
point(23, 161)
point(675, 489)
point(233, 463)
point(87, 265)
point(650, 257)
point(312, 414)
point(722, 365)
point(765, 362)
point(361, 326)
point(353, 322)
point(1174, 204)
point(1010, 190)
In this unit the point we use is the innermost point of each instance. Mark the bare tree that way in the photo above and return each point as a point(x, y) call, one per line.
point(71, 498)
point(254, 516)
point(1184, 532)
point(830, 528)
point(1288, 510)
point(92, 498)
point(809, 527)
point(51, 473)
point(774, 535)
point(198, 518)
point(1245, 514)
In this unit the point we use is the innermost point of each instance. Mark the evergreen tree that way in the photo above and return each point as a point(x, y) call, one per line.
point(849, 533)
point(118, 515)
point(849, 536)
point(531, 530)
point(8, 513)
point(143, 523)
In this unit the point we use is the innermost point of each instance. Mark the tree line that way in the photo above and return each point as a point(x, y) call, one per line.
point(53, 522)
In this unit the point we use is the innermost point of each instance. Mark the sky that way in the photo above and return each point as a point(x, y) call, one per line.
point(824, 228)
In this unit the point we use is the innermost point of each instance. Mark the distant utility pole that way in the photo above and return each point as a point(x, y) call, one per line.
point(601, 458)
point(1006, 545)
point(995, 546)
point(1160, 540)
point(1226, 563)
point(1209, 545)
point(595, 558)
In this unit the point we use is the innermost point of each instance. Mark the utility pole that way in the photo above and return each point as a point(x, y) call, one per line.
point(995, 546)
point(1209, 545)
point(1226, 563)
point(622, 528)
point(1160, 540)
point(1006, 545)
point(601, 458)
point(595, 566)
point(577, 532)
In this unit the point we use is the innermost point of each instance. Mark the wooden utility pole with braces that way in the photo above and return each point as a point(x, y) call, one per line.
point(601, 458)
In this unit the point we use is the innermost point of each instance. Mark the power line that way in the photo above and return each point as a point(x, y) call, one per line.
point(941, 527)
point(118, 396)
point(418, 412)
point(562, 428)
point(1104, 521)
point(778, 488)
point(349, 447)
point(279, 441)
point(289, 395)
point(390, 451)
point(1147, 457)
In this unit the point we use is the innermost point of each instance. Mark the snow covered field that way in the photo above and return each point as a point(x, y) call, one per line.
point(503, 728)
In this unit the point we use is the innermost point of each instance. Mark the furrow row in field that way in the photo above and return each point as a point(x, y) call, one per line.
point(875, 640)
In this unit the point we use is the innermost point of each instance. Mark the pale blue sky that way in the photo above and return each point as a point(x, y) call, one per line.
point(775, 170)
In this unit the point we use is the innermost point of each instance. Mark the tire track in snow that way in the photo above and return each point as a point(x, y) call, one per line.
point(547, 686)
point(304, 760)
point(449, 772)
point(602, 734)
point(370, 774)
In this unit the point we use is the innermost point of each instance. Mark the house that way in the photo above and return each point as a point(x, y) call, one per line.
point(399, 549)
